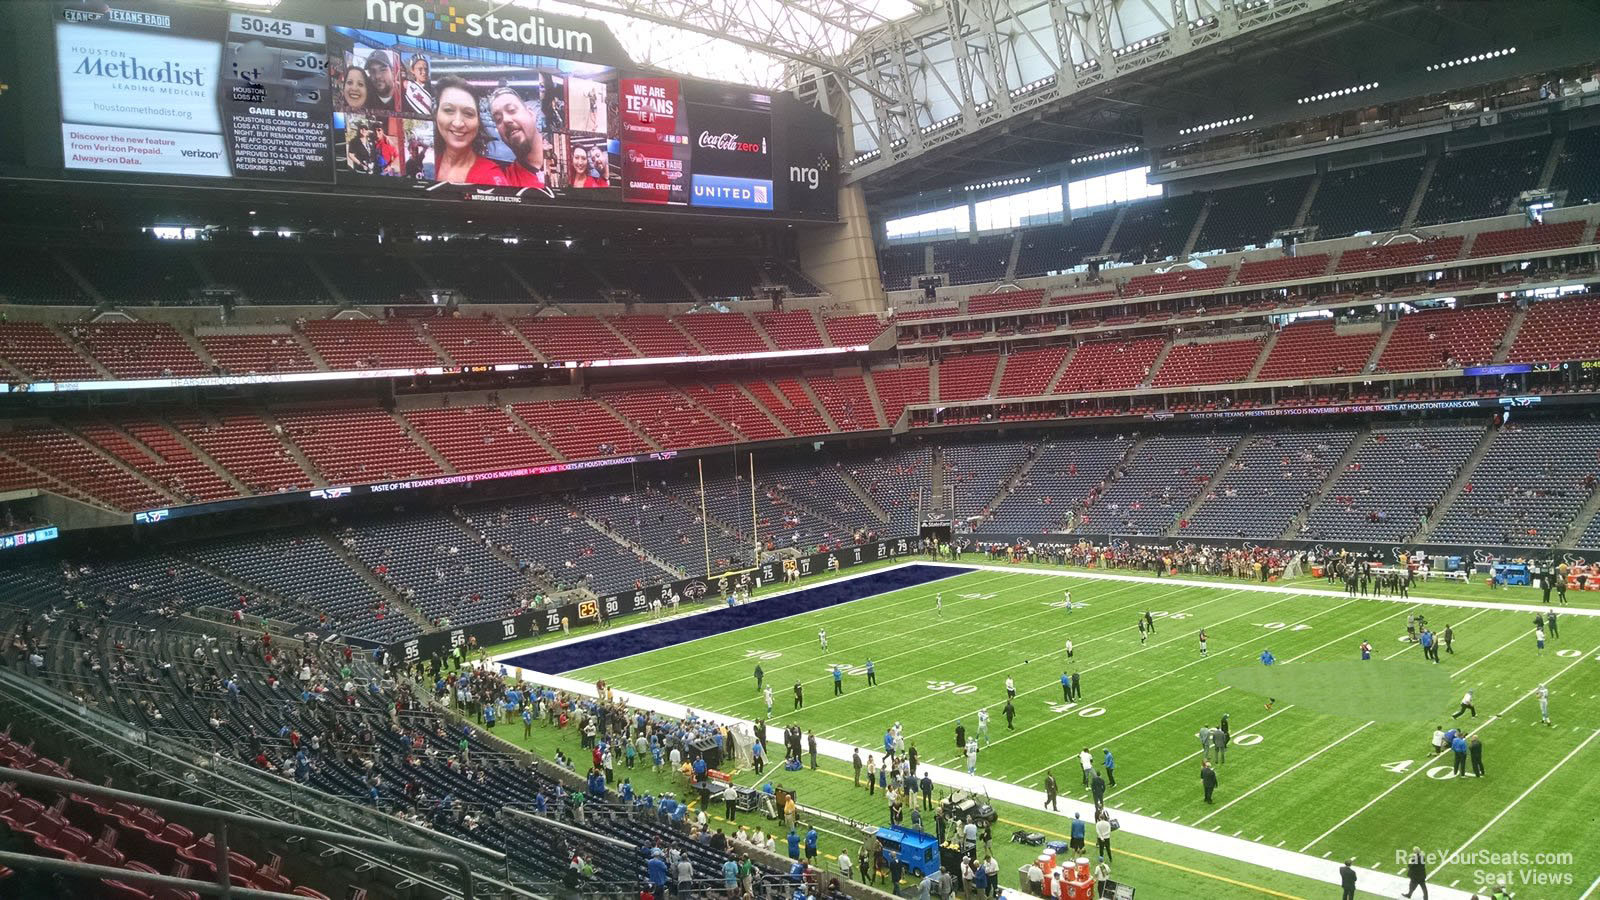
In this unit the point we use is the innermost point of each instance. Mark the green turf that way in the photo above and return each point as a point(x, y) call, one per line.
point(1395, 691)
point(1335, 776)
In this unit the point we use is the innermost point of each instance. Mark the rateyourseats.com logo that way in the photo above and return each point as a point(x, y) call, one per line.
point(438, 18)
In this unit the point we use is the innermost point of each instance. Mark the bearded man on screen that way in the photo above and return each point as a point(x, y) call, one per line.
point(518, 125)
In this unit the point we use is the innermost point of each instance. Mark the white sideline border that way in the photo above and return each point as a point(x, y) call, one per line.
point(1214, 843)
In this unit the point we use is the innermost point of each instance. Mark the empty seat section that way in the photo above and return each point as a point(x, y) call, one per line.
point(1181, 281)
point(1057, 248)
point(974, 473)
point(1065, 478)
point(723, 332)
point(852, 331)
point(285, 278)
point(1387, 488)
point(1533, 239)
point(846, 399)
point(668, 417)
point(1316, 348)
point(654, 335)
point(1272, 480)
point(257, 354)
point(40, 355)
point(149, 275)
point(728, 278)
point(355, 446)
point(369, 277)
point(1289, 268)
point(1222, 362)
point(558, 279)
point(972, 262)
point(966, 376)
point(478, 438)
point(32, 275)
point(1527, 488)
point(476, 275)
point(1250, 213)
point(478, 341)
point(1012, 300)
point(1028, 373)
point(248, 449)
point(1157, 484)
point(140, 349)
point(580, 429)
point(731, 405)
point(1483, 181)
point(1109, 366)
point(901, 266)
point(1445, 339)
point(913, 313)
point(1157, 228)
point(1578, 169)
point(1365, 198)
point(1401, 254)
point(1559, 331)
point(652, 280)
point(896, 480)
point(899, 388)
point(795, 330)
point(347, 344)
point(162, 458)
point(573, 338)
point(62, 456)
point(790, 404)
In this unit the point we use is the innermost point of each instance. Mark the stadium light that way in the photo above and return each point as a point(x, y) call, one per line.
point(1473, 58)
point(1221, 123)
point(1342, 92)
point(1105, 154)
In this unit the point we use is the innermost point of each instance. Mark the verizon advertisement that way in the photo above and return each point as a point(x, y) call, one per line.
point(179, 90)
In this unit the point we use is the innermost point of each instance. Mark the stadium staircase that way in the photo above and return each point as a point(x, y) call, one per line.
point(761, 332)
point(187, 334)
point(433, 344)
point(523, 283)
point(821, 325)
point(334, 294)
point(510, 409)
point(631, 546)
point(1156, 364)
point(1199, 224)
point(611, 327)
point(1266, 352)
point(1580, 522)
point(310, 350)
point(1111, 233)
point(1021, 472)
point(295, 453)
point(632, 426)
point(123, 465)
point(1462, 478)
point(1509, 339)
point(395, 601)
point(933, 381)
point(1061, 368)
point(1385, 332)
point(1011, 259)
point(877, 402)
point(422, 443)
point(84, 284)
point(1415, 206)
point(999, 372)
point(811, 394)
point(83, 352)
point(1298, 521)
point(1558, 146)
point(1305, 203)
point(1222, 470)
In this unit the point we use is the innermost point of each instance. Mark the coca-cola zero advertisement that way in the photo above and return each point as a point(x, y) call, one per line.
point(731, 142)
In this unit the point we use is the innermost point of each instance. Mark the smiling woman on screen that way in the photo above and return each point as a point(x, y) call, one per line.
point(458, 139)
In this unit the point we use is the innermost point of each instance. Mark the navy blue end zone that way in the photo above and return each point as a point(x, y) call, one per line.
point(609, 647)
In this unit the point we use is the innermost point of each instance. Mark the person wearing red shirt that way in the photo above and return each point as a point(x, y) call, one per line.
point(458, 137)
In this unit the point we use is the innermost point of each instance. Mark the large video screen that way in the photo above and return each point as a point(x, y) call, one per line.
point(458, 102)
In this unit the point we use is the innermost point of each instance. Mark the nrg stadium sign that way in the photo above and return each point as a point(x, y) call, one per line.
point(418, 20)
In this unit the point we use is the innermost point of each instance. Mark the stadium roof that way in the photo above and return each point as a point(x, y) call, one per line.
point(745, 41)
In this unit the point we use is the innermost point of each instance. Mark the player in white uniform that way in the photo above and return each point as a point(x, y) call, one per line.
point(1543, 694)
point(822, 637)
point(938, 603)
point(1068, 598)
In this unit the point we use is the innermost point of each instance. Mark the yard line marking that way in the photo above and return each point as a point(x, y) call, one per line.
point(1520, 797)
point(1297, 765)
point(1397, 785)
point(1277, 712)
point(1592, 886)
point(1119, 659)
point(1028, 637)
point(1330, 642)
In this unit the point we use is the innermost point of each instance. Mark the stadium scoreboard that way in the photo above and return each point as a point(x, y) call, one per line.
point(458, 101)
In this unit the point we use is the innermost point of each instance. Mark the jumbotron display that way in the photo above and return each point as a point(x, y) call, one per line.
point(450, 101)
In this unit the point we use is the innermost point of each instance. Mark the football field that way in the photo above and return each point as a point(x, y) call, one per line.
point(1330, 756)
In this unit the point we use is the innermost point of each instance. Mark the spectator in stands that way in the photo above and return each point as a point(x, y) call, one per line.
point(458, 137)
point(519, 127)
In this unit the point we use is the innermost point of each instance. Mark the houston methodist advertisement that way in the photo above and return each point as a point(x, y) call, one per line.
point(441, 100)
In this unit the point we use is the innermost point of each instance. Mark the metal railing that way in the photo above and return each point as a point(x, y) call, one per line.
point(219, 820)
